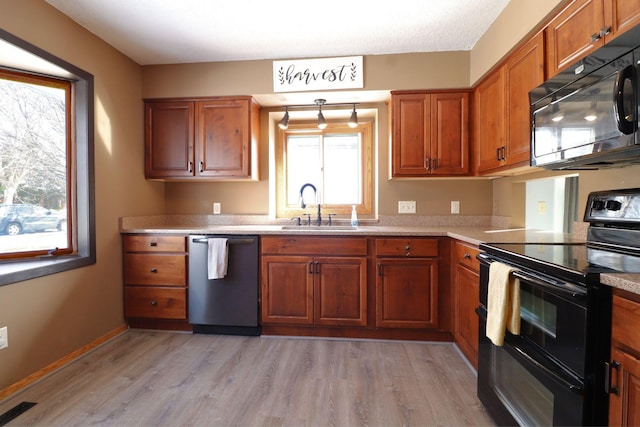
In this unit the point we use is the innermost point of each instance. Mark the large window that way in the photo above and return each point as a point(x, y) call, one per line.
point(35, 160)
point(47, 220)
point(337, 161)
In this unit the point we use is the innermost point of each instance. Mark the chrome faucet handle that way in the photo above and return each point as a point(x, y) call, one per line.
point(331, 215)
point(308, 219)
point(297, 219)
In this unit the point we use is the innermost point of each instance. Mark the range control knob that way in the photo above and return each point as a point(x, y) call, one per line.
point(613, 205)
point(598, 205)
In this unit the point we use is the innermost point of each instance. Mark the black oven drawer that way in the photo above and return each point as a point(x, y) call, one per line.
point(519, 386)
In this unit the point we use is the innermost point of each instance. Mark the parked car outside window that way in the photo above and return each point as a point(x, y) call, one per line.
point(16, 219)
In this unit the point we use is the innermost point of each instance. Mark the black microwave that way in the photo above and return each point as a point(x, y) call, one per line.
point(586, 117)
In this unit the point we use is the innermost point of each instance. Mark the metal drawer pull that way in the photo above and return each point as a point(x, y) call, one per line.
point(154, 270)
point(608, 388)
point(154, 302)
point(153, 244)
point(466, 256)
point(380, 269)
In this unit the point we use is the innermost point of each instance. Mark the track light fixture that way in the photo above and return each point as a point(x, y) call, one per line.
point(322, 123)
point(284, 123)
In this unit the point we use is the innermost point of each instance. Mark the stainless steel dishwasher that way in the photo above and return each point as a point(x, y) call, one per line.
point(228, 305)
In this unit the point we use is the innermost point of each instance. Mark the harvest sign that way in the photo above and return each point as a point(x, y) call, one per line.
point(317, 74)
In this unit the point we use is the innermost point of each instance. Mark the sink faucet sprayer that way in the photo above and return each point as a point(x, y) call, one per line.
point(304, 205)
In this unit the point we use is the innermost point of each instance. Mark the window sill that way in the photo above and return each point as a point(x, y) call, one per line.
point(19, 270)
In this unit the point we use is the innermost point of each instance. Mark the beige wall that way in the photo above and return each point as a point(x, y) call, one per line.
point(49, 317)
point(518, 19)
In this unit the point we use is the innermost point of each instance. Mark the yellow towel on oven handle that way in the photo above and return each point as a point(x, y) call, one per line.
point(503, 303)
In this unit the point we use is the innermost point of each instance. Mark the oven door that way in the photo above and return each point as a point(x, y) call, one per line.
point(520, 386)
point(553, 315)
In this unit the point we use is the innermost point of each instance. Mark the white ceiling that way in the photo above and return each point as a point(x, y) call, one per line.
point(183, 31)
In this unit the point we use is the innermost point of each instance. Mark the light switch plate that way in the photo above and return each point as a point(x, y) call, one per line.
point(407, 206)
point(4, 338)
point(455, 207)
point(216, 208)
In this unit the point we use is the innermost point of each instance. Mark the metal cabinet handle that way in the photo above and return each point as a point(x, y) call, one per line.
point(605, 30)
point(310, 267)
point(154, 270)
point(154, 302)
point(153, 244)
point(201, 167)
point(434, 164)
point(380, 269)
point(427, 163)
point(608, 387)
point(595, 37)
point(317, 267)
point(466, 256)
point(190, 167)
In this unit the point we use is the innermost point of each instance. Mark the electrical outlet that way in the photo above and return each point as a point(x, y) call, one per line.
point(4, 338)
point(407, 207)
point(455, 207)
point(216, 208)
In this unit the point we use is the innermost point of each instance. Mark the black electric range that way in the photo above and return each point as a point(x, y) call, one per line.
point(553, 372)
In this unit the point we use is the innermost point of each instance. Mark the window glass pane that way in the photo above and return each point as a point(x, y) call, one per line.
point(342, 169)
point(33, 167)
point(303, 165)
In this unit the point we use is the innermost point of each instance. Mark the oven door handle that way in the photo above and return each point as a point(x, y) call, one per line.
point(566, 290)
point(555, 376)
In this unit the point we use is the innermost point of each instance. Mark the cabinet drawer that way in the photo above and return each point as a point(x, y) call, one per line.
point(465, 254)
point(316, 246)
point(155, 269)
point(625, 320)
point(159, 303)
point(154, 243)
point(409, 247)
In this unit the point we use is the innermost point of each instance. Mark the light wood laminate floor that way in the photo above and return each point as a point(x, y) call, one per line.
point(149, 378)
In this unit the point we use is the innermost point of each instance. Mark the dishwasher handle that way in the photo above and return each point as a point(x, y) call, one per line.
point(244, 241)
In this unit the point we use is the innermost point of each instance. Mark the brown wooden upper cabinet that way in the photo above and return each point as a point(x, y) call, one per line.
point(429, 133)
point(213, 138)
point(501, 108)
point(585, 25)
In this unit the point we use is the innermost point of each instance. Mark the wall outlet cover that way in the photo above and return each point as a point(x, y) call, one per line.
point(216, 208)
point(455, 207)
point(407, 207)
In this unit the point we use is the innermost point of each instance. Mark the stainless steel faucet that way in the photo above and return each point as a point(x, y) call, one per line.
point(304, 205)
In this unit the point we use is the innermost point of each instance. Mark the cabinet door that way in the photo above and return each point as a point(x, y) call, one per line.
point(449, 133)
point(523, 72)
point(340, 291)
point(489, 121)
point(168, 139)
point(467, 299)
point(223, 135)
point(407, 293)
point(624, 407)
point(574, 33)
point(287, 289)
point(410, 134)
point(621, 15)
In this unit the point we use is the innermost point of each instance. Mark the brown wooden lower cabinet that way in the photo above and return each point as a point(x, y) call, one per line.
point(155, 281)
point(314, 290)
point(466, 286)
point(624, 400)
point(407, 293)
point(356, 287)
